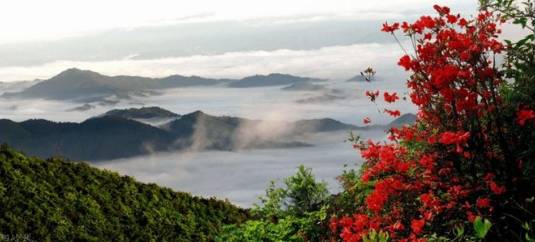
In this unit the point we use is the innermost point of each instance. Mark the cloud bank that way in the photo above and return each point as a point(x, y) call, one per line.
point(242, 176)
point(335, 62)
point(60, 18)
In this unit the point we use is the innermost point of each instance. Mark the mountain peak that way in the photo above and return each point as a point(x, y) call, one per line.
point(197, 114)
point(77, 73)
point(407, 118)
point(141, 113)
point(279, 75)
point(74, 70)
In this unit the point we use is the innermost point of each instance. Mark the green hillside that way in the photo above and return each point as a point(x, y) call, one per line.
point(55, 200)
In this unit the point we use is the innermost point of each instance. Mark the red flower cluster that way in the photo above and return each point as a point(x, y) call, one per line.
point(372, 95)
point(483, 203)
point(455, 86)
point(390, 28)
point(524, 115)
point(405, 61)
point(417, 225)
point(458, 138)
point(449, 138)
point(393, 113)
point(390, 98)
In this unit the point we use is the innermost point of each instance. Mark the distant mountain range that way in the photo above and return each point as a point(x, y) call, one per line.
point(88, 86)
point(119, 134)
point(274, 79)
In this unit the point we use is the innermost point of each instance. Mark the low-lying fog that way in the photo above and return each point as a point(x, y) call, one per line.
point(243, 175)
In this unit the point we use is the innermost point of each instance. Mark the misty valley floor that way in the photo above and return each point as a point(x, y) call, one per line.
point(242, 176)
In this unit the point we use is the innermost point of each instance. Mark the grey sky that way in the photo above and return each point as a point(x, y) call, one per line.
point(162, 37)
point(35, 20)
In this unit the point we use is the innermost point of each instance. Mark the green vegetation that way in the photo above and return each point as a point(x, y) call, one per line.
point(294, 212)
point(55, 200)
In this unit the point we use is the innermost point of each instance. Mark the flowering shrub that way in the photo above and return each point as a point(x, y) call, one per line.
point(469, 154)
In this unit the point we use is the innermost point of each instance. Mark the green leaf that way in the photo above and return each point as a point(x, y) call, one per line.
point(522, 21)
point(374, 236)
point(526, 226)
point(459, 231)
point(481, 227)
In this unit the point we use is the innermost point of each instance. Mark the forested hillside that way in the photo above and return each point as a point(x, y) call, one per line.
point(54, 200)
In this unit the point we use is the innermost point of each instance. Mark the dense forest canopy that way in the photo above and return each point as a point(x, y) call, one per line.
point(55, 200)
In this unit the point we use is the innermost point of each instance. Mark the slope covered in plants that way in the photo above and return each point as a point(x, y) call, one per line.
point(54, 200)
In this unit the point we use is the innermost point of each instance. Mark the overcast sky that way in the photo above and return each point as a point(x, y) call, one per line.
point(38, 39)
point(34, 20)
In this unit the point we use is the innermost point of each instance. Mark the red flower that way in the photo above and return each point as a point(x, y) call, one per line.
point(393, 113)
point(390, 28)
point(463, 22)
point(449, 138)
point(405, 26)
point(333, 224)
point(427, 161)
point(360, 221)
point(376, 200)
point(372, 95)
point(390, 98)
point(441, 10)
point(423, 23)
point(471, 217)
point(366, 120)
point(452, 19)
point(483, 203)
point(496, 189)
point(417, 225)
point(405, 62)
point(444, 76)
point(524, 115)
